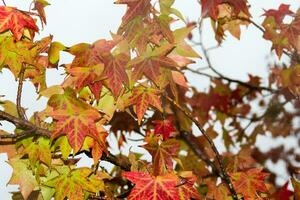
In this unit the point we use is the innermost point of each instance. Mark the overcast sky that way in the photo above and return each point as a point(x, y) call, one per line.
point(75, 21)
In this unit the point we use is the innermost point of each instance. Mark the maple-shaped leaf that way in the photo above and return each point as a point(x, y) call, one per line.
point(217, 191)
point(164, 127)
point(87, 55)
point(67, 101)
point(166, 187)
point(149, 187)
point(292, 31)
point(282, 193)
point(182, 47)
point(73, 184)
point(76, 124)
point(37, 151)
point(186, 188)
point(162, 153)
point(249, 183)
point(115, 72)
point(210, 8)
point(22, 176)
point(14, 55)
point(280, 13)
point(142, 97)
point(151, 62)
point(16, 21)
point(85, 76)
point(135, 8)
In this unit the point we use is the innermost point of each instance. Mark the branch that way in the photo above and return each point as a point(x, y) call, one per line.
point(252, 87)
point(20, 110)
point(223, 174)
point(32, 128)
point(3, 2)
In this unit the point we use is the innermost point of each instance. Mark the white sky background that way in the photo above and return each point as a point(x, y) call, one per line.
point(75, 21)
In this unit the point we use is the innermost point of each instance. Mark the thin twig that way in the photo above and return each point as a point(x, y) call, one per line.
point(20, 110)
point(223, 174)
point(252, 87)
point(3, 1)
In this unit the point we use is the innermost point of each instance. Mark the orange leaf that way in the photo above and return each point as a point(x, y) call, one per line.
point(143, 97)
point(15, 20)
point(249, 183)
point(161, 153)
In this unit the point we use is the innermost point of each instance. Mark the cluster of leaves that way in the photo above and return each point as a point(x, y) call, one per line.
point(135, 83)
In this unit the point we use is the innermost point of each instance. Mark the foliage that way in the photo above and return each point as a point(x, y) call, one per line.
point(135, 85)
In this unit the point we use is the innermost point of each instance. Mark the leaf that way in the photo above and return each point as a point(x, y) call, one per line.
point(164, 127)
point(150, 63)
point(280, 13)
point(162, 154)
point(115, 72)
point(16, 21)
point(14, 55)
point(39, 6)
point(72, 184)
point(185, 187)
point(296, 186)
point(142, 97)
point(166, 187)
point(182, 48)
point(135, 8)
point(282, 193)
point(22, 176)
point(84, 76)
point(209, 8)
point(76, 124)
point(54, 52)
point(38, 150)
point(239, 6)
point(249, 183)
point(148, 187)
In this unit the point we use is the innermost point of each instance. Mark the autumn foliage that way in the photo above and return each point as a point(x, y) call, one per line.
point(135, 84)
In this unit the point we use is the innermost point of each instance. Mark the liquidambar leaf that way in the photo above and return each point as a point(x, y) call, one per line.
point(72, 184)
point(142, 97)
point(76, 124)
point(249, 183)
point(16, 21)
point(162, 154)
point(22, 176)
point(166, 187)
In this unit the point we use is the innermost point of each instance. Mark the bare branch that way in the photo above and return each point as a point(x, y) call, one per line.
point(223, 174)
point(20, 110)
point(3, 1)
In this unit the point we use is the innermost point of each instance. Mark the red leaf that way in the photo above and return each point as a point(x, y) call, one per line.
point(162, 154)
point(279, 14)
point(283, 193)
point(15, 20)
point(167, 187)
point(142, 97)
point(164, 127)
point(115, 72)
point(210, 8)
